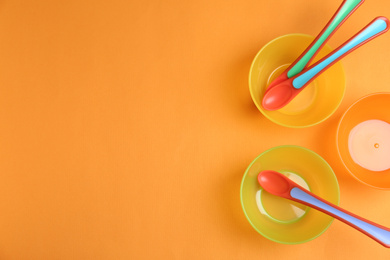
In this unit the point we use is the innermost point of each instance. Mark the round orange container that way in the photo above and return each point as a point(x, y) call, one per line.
point(371, 107)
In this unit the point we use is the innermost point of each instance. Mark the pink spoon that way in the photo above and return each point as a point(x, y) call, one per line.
point(279, 185)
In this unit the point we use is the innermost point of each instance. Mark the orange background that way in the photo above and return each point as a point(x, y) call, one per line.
point(126, 127)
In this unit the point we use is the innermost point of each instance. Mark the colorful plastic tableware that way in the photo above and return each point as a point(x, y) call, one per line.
point(280, 220)
point(315, 103)
point(279, 185)
point(281, 94)
point(346, 8)
point(374, 106)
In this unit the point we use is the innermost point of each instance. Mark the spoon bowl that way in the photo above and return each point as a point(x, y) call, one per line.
point(278, 96)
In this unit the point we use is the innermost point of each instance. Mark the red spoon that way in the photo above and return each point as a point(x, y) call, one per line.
point(279, 185)
point(346, 8)
point(282, 93)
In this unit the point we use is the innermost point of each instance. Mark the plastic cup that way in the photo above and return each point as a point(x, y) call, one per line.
point(276, 218)
point(316, 102)
point(371, 107)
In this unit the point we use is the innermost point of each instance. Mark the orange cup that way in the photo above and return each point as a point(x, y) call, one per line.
point(371, 107)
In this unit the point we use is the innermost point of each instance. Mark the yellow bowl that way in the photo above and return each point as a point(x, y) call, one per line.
point(371, 107)
point(316, 102)
point(276, 218)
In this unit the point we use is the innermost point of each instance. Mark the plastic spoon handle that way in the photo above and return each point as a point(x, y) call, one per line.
point(279, 185)
point(375, 231)
point(372, 30)
point(343, 12)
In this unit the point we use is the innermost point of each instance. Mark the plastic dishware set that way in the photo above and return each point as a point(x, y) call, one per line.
point(296, 81)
